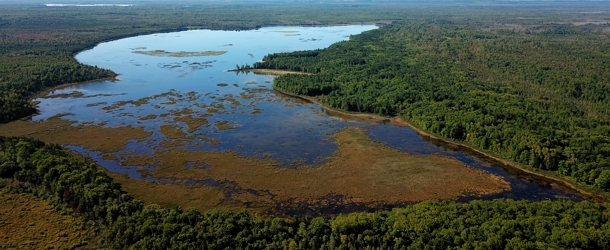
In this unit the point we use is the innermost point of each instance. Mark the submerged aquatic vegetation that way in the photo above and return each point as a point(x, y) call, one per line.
point(179, 53)
point(361, 171)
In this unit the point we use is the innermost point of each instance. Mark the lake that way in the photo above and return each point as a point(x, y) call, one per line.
point(176, 88)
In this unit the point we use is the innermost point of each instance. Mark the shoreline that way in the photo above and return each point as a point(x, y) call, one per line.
point(273, 72)
point(553, 179)
point(93, 44)
point(277, 72)
point(45, 92)
point(561, 181)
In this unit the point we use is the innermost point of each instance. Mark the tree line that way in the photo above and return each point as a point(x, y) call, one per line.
point(77, 186)
point(37, 43)
point(537, 96)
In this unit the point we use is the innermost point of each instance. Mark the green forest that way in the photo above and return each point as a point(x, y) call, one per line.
point(539, 96)
point(37, 43)
point(78, 186)
point(533, 90)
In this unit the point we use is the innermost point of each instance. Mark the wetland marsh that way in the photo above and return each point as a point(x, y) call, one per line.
point(176, 128)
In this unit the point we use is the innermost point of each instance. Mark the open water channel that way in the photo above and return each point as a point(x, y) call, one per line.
point(165, 78)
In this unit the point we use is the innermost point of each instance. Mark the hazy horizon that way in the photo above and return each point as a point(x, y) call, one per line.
point(372, 2)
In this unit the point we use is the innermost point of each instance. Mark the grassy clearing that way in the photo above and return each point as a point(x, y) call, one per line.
point(28, 222)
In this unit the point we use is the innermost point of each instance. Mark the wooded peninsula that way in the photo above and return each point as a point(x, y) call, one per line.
point(527, 82)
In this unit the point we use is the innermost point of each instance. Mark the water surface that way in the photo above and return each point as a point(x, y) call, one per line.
point(176, 86)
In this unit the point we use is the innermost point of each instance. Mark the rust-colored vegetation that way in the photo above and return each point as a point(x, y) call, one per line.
point(28, 222)
point(56, 130)
point(197, 196)
point(362, 170)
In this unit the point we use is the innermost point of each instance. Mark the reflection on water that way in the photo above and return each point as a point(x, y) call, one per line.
point(190, 102)
point(208, 109)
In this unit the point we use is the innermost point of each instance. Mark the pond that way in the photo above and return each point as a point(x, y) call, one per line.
point(176, 89)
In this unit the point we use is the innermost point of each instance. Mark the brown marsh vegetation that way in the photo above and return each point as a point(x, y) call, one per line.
point(56, 130)
point(29, 222)
point(361, 170)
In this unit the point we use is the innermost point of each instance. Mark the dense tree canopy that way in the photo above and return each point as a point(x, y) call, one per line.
point(534, 91)
point(538, 96)
point(78, 186)
point(37, 43)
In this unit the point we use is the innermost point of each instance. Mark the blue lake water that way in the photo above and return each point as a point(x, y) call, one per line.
point(172, 79)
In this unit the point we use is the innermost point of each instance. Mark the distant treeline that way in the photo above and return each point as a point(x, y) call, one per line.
point(37, 43)
point(537, 94)
point(516, 93)
point(78, 186)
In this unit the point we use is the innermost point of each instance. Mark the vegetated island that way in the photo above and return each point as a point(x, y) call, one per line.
point(76, 186)
point(179, 53)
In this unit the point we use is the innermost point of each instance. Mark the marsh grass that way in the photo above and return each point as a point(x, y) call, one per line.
point(361, 171)
point(29, 222)
point(56, 130)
